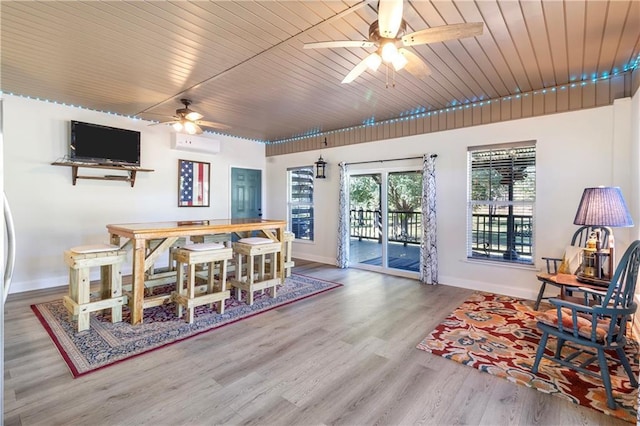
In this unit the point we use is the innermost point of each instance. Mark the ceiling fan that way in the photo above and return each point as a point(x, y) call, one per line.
point(388, 32)
point(190, 121)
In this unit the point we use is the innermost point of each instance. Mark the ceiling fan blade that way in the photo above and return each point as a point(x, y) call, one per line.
point(415, 65)
point(443, 33)
point(389, 17)
point(198, 129)
point(212, 124)
point(357, 70)
point(341, 43)
point(165, 122)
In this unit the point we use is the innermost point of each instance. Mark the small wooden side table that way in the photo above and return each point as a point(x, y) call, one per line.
point(564, 281)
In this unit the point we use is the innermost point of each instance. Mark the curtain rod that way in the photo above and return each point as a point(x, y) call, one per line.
point(392, 159)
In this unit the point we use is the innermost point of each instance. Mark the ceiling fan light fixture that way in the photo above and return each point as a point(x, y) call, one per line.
point(389, 52)
point(190, 128)
point(399, 62)
point(373, 61)
point(177, 126)
point(193, 116)
point(389, 34)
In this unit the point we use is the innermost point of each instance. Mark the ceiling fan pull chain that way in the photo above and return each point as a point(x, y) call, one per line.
point(386, 76)
point(393, 77)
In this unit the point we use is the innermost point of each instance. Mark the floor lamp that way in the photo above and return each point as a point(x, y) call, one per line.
point(603, 206)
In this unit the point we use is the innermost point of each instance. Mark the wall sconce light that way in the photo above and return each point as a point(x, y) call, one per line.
point(320, 168)
point(321, 165)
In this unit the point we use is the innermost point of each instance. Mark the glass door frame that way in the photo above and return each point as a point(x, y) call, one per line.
point(384, 173)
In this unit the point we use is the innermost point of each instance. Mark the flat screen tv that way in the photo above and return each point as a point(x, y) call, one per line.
point(104, 145)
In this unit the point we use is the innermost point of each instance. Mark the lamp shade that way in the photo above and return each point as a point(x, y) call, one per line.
point(603, 206)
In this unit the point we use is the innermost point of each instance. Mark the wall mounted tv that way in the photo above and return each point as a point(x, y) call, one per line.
point(104, 145)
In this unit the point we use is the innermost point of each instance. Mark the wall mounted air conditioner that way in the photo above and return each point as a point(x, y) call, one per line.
point(195, 143)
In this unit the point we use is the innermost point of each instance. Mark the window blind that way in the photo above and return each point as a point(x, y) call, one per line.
point(501, 200)
point(300, 202)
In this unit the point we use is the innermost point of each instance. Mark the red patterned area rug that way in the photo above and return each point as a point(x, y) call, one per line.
point(107, 343)
point(498, 335)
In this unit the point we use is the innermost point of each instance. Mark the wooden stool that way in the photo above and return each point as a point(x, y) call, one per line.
point(288, 263)
point(224, 239)
point(255, 249)
point(192, 255)
point(80, 260)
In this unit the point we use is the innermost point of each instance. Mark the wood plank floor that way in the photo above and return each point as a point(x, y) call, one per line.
point(346, 356)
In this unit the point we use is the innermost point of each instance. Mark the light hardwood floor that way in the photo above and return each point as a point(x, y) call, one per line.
point(346, 356)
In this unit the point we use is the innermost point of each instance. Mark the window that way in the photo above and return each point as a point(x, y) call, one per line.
point(300, 202)
point(501, 199)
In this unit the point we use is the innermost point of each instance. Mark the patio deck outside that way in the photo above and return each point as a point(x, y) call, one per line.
point(399, 256)
point(489, 235)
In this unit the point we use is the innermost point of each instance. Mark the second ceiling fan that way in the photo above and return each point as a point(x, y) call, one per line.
point(388, 32)
point(190, 121)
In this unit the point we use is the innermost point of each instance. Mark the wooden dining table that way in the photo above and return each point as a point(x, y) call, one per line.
point(137, 235)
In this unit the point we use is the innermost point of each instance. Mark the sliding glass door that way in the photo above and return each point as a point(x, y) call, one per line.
point(404, 214)
point(365, 207)
point(385, 217)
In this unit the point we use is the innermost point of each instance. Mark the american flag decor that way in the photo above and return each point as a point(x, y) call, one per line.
point(194, 183)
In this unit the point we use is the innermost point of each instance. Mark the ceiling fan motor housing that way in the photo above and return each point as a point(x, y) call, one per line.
point(374, 32)
point(184, 111)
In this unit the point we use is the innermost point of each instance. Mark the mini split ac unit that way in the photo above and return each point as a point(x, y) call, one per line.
point(194, 143)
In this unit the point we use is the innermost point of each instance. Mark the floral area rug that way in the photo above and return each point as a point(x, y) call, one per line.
point(498, 335)
point(106, 343)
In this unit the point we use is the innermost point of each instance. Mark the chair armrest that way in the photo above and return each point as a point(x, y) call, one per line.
point(573, 306)
point(552, 261)
point(593, 291)
point(596, 295)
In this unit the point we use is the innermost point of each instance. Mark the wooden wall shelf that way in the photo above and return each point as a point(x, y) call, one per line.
point(130, 177)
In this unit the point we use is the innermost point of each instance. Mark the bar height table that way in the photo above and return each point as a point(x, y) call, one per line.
point(138, 234)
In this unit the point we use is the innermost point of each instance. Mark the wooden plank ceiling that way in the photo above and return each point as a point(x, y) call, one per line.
point(242, 63)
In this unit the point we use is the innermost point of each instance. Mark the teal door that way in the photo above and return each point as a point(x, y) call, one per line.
point(246, 193)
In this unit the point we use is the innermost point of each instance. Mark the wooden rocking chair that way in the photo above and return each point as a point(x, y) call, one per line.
point(594, 329)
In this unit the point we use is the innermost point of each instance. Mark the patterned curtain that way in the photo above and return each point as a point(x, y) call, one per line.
point(428, 248)
point(342, 260)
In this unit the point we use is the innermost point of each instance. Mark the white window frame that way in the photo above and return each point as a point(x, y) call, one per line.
point(498, 248)
point(295, 204)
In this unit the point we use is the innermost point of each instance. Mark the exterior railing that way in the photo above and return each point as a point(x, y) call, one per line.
point(404, 227)
point(489, 232)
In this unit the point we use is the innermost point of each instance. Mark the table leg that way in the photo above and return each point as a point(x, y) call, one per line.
point(280, 257)
point(563, 293)
point(543, 285)
point(137, 278)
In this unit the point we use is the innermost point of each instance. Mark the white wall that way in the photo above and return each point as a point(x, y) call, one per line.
point(574, 150)
point(52, 215)
point(634, 118)
point(592, 147)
